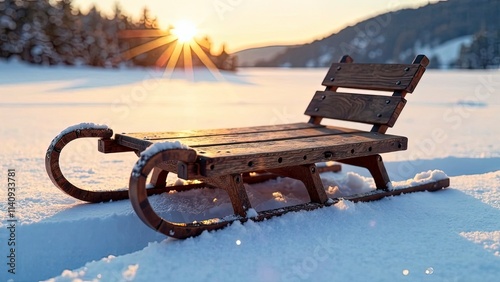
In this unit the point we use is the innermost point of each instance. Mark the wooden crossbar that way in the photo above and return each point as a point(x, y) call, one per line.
point(383, 77)
point(372, 109)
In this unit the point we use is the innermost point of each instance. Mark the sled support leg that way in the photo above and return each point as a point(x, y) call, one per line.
point(233, 184)
point(375, 165)
point(159, 177)
point(309, 175)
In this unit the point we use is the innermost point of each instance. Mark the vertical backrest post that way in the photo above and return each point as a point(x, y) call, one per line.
point(423, 62)
point(345, 59)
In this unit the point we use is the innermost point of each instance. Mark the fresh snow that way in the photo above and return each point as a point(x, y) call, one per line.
point(450, 235)
point(80, 126)
point(154, 149)
point(424, 177)
point(84, 125)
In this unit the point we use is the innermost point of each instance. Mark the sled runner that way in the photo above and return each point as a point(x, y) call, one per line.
point(227, 158)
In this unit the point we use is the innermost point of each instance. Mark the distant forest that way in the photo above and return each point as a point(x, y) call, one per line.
point(400, 35)
point(54, 33)
point(482, 53)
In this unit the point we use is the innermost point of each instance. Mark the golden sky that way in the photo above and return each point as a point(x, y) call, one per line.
point(251, 23)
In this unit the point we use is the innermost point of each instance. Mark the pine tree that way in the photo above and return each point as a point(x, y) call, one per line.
point(148, 58)
point(483, 52)
point(62, 23)
point(95, 52)
point(9, 29)
point(38, 41)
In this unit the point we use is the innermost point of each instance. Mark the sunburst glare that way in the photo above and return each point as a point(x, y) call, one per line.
point(185, 31)
point(178, 42)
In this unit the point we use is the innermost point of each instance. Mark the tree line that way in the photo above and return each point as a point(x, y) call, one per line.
point(482, 53)
point(54, 33)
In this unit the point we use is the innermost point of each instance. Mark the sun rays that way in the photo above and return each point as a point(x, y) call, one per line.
point(178, 41)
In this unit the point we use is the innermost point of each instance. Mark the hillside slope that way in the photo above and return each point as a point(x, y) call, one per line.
point(398, 36)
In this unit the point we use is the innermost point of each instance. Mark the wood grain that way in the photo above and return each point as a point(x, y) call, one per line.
point(109, 146)
point(233, 138)
point(214, 132)
point(384, 77)
point(372, 109)
point(237, 158)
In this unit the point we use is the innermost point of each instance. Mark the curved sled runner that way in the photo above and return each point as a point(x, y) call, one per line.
point(228, 158)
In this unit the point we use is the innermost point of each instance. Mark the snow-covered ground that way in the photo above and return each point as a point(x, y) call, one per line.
point(452, 235)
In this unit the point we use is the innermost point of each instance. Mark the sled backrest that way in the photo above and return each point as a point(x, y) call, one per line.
point(380, 110)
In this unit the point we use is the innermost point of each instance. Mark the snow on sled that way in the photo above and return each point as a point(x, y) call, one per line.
point(228, 158)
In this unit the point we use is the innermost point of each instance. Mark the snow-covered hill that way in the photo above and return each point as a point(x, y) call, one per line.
point(439, 29)
point(250, 57)
point(451, 235)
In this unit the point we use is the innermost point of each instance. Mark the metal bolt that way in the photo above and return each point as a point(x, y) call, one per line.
point(237, 179)
point(316, 109)
point(398, 82)
point(339, 68)
point(323, 97)
point(379, 115)
point(332, 79)
point(313, 169)
point(387, 101)
point(407, 69)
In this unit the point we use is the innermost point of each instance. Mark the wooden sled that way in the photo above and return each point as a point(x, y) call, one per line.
point(226, 158)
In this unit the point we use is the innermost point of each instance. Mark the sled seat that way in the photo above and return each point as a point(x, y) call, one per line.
point(224, 158)
point(241, 150)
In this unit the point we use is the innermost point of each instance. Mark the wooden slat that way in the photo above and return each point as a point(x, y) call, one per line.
point(213, 132)
point(385, 77)
point(131, 142)
point(225, 159)
point(372, 109)
point(224, 139)
point(252, 148)
point(109, 146)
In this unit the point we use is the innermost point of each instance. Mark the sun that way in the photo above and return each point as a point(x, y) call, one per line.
point(181, 44)
point(185, 31)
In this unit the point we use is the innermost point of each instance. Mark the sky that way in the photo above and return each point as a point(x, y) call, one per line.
point(242, 24)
